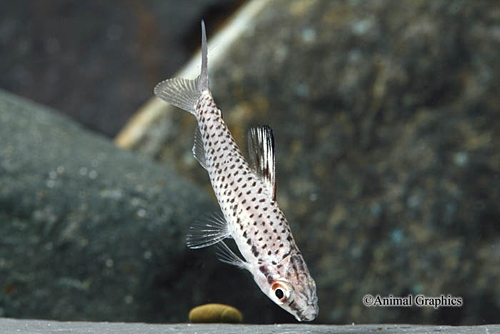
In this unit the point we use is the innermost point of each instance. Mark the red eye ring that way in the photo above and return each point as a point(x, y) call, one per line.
point(281, 291)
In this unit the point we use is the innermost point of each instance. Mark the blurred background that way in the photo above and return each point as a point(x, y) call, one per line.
point(97, 62)
point(385, 115)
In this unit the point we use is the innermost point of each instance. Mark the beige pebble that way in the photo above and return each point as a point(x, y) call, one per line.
point(215, 313)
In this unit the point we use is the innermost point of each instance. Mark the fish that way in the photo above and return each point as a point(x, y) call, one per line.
point(246, 193)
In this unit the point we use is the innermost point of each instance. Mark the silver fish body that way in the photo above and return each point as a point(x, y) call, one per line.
point(246, 195)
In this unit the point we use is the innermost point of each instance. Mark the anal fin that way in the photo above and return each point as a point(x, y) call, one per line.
point(198, 148)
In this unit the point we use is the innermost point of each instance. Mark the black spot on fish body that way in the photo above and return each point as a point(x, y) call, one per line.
point(255, 251)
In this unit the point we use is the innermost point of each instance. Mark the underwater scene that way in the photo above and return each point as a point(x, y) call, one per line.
point(338, 163)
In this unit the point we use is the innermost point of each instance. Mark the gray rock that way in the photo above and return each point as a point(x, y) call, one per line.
point(385, 115)
point(89, 231)
point(41, 327)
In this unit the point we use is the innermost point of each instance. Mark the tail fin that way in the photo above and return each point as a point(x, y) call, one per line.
point(203, 83)
point(184, 93)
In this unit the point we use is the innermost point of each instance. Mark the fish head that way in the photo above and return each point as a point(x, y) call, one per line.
point(290, 286)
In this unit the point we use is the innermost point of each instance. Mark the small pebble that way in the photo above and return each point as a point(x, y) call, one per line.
point(215, 313)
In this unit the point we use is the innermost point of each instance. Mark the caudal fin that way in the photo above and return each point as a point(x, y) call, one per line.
point(184, 93)
point(203, 83)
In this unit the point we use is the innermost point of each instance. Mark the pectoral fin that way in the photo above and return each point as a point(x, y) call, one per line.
point(226, 255)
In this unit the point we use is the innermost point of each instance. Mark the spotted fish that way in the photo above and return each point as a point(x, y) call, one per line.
point(247, 197)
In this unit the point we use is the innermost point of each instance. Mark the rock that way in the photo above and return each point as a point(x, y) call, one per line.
point(215, 313)
point(90, 231)
point(386, 127)
point(43, 326)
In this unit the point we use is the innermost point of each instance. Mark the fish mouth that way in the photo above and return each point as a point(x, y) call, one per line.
point(308, 316)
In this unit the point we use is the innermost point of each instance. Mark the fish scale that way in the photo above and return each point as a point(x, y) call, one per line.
point(246, 194)
point(242, 196)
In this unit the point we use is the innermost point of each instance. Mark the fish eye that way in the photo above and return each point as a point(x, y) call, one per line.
point(279, 293)
point(281, 290)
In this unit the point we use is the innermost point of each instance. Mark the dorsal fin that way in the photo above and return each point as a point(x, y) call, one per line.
point(262, 157)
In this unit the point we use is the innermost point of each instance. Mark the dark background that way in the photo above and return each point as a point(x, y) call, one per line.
point(98, 61)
